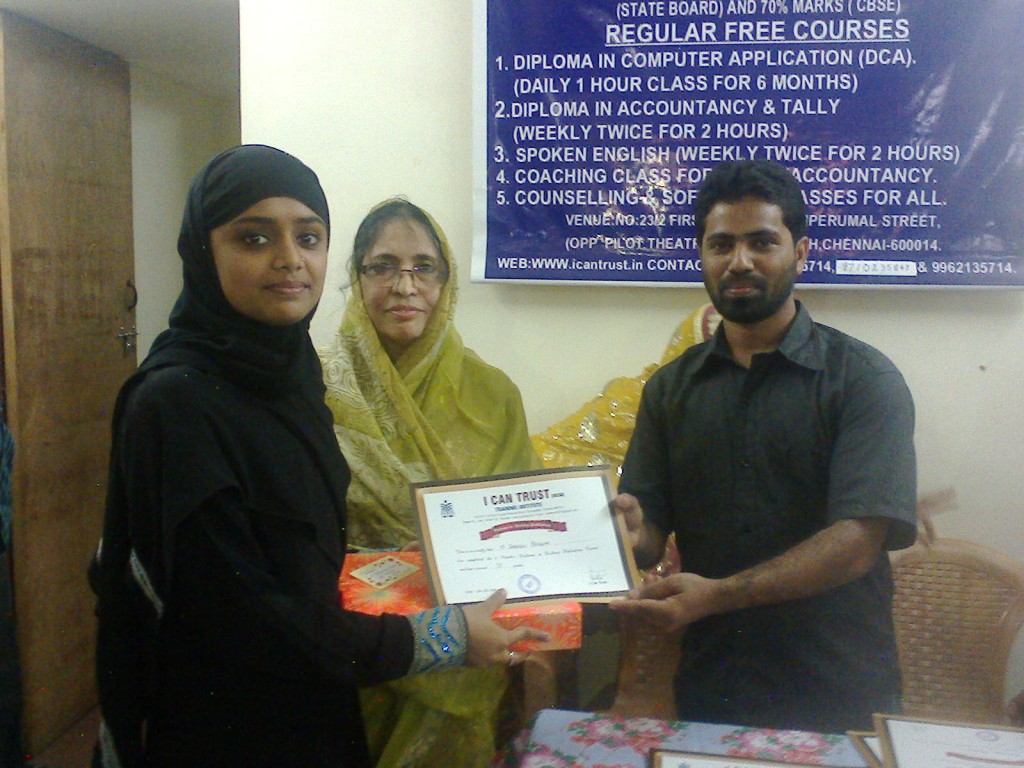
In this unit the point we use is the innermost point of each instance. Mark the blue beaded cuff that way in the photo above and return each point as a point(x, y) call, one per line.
point(441, 639)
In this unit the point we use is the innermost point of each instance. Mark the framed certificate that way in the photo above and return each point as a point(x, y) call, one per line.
point(867, 745)
point(541, 536)
point(661, 758)
point(919, 743)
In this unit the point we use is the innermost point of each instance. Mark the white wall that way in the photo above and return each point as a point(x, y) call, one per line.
point(376, 97)
point(175, 130)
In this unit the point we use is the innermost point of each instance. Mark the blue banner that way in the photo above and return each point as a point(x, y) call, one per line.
point(903, 120)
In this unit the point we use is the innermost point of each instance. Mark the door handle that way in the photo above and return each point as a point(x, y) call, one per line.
point(131, 296)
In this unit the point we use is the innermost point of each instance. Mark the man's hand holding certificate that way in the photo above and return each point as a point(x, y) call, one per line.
point(540, 536)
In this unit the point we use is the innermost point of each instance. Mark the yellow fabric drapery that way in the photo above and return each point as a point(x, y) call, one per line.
point(599, 431)
point(438, 413)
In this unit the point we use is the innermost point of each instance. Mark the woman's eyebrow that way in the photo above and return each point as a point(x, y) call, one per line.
point(252, 220)
point(272, 220)
point(414, 257)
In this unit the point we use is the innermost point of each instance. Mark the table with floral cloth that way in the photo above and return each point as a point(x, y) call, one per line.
point(560, 738)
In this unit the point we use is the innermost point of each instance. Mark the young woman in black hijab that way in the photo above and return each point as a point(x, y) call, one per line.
point(221, 641)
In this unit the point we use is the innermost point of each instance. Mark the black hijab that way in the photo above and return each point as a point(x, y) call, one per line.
point(276, 366)
point(205, 330)
point(264, 430)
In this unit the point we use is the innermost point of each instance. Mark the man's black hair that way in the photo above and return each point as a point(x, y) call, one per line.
point(762, 179)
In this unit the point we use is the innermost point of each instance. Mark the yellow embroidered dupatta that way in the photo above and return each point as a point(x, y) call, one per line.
point(439, 413)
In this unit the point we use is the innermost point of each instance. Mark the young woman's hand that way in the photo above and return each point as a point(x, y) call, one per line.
point(489, 642)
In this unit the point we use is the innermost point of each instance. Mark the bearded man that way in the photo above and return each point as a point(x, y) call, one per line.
point(781, 454)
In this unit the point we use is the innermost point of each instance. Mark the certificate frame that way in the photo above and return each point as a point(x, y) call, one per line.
point(485, 509)
point(868, 746)
point(667, 758)
point(941, 734)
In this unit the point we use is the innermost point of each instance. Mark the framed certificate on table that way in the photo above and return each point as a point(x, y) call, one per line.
point(868, 746)
point(661, 758)
point(920, 743)
point(541, 536)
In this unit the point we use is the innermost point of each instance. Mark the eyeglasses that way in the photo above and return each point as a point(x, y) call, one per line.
point(427, 274)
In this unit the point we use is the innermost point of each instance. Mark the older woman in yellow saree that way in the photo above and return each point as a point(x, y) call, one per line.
point(412, 403)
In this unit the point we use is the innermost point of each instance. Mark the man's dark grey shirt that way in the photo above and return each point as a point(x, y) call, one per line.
point(743, 464)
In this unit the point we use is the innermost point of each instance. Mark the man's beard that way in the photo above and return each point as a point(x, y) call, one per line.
point(758, 306)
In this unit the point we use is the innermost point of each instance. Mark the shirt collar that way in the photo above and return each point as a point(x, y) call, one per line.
point(800, 345)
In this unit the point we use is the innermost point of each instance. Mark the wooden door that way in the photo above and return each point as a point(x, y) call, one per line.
point(65, 273)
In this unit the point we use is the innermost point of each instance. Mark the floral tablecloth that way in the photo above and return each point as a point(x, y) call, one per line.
point(561, 738)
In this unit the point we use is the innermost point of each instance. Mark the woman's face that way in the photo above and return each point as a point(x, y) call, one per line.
point(271, 260)
point(400, 304)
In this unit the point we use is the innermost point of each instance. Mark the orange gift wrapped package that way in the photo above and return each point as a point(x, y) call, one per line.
point(396, 582)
